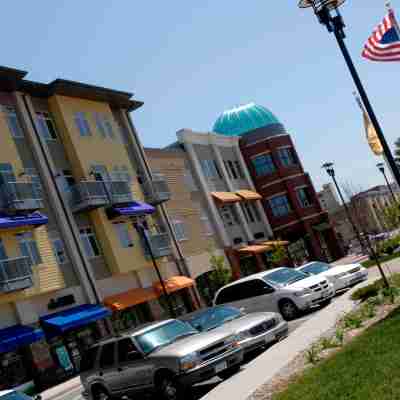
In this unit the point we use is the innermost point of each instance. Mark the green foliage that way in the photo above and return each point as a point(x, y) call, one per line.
point(312, 354)
point(328, 343)
point(339, 335)
point(220, 275)
point(352, 320)
point(278, 254)
point(367, 311)
point(391, 216)
point(382, 259)
point(368, 291)
point(391, 293)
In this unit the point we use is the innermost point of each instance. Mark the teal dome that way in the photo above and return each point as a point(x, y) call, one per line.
point(243, 119)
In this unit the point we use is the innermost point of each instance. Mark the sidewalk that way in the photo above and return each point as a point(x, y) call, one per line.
point(71, 387)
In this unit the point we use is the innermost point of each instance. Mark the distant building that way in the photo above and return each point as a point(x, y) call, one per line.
point(328, 198)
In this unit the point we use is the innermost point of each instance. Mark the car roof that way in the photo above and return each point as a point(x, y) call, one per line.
point(5, 392)
point(310, 263)
point(202, 311)
point(146, 327)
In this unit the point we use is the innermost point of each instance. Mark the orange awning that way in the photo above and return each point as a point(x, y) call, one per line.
point(226, 197)
point(276, 243)
point(249, 195)
point(173, 284)
point(130, 298)
point(255, 249)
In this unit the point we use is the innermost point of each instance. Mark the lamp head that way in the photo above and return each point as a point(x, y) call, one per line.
point(381, 167)
point(328, 167)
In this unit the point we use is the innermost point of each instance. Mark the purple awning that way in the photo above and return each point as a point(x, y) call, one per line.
point(132, 209)
point(14, 221)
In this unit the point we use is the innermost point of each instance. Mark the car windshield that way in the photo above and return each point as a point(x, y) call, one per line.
point(213, 317)
point(163, 335)
point(316, 268)
point(284, 276)
point(15, 396)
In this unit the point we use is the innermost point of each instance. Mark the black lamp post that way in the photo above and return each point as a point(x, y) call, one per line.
point(324, 9)
point(381, 167)
point(331, 172)
point(141, 227)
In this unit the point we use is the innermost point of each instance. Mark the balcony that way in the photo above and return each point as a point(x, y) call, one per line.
point(160, 245)
point(88, 195)
point(15, 274)
point(21, 196)
point(157, 191)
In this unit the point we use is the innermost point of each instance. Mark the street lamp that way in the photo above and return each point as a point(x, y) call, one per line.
point(381, 167)
point(328, 166)
point(141, 227)
point(323, 9)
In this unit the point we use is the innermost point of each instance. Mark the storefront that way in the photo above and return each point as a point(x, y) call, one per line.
point(69, 334)
point(20, 357)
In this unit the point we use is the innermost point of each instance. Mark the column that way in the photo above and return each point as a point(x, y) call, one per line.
point(234, 260)
point(260, 262)
point(314, 242)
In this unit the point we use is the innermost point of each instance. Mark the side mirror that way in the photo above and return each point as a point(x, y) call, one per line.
point(134, 355)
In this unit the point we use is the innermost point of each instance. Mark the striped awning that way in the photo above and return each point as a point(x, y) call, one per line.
point(226, 197)
point(249, 195)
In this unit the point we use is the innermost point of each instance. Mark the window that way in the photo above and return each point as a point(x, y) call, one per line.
point(3, 254)
point(124, 134)
point(59, 251)
point(279, 206)
point(287, 157)
point(206, 224)
point(6, 173)
point(228, 216)
point(124, 235)
point(250, 212)
point(210, 169)
point(46, 126)
point(90, 244)
point(227, 295)
point(264, 165)
point(127, 351)
point(13, 123)
point(32, 174)
point(180, 230)
point(121, 174)
point(107, 357)
point(89, 360)
point(304, 196)
point(67, 180)
point(228, 171)
point(82, 124)
point(28, 247)
point(104, 125)
point(232, 169)
point(239, 169)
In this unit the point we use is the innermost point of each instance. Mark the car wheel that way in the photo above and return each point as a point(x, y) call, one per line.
point(229, 372)
point(169, 389)
point(100, 393)
point(288, 309)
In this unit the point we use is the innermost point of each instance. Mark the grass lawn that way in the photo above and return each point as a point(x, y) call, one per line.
point(366, 369)
point(372, 263)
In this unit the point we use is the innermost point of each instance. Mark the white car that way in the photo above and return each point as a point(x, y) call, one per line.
point(341, 276)
point(16, 395)
point(285, 290)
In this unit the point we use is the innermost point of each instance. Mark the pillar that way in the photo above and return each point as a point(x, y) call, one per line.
point(234, 260)
point(333, 244)
point(260, 262)
point(314, 243)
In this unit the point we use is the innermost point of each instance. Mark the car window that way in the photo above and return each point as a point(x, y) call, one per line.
point(213, 317)
point(127, 351)
point(89, 359)
point(107, 357)
point(316, 268)
point(227, 295)
point(284, 276)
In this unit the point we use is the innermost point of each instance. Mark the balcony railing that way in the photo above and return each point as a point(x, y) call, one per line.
point(157, 191)
point(88, 195)
point(160, 245)
point(21, 196)
point(15, 274)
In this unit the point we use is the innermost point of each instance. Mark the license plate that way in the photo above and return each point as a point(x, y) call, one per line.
point(220, 367)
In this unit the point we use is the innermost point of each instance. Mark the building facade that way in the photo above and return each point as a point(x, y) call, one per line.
point(226, 192)
point(328, 198)
point(288, 195)
point(77, 202)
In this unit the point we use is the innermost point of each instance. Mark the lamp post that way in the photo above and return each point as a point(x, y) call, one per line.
point(142, 230)
point(323, 9)
point(381, 167)
point(328, 166)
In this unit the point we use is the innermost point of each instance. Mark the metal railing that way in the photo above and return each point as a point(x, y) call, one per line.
point(21, 196)
point(119, 191)
point(160, 245)
point(15, 274)
point(157, 191)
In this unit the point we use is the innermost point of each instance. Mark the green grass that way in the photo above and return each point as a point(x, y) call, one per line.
point(365, 369)
point(372, 263)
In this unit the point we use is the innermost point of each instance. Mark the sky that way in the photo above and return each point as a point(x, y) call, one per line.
point(190, 61)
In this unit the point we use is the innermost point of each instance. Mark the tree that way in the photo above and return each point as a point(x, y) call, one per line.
point(277, 255)
point(391, 216)
point(220, 274)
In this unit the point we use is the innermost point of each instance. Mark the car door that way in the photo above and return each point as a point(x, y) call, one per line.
point(107, 366)
point(135, 371)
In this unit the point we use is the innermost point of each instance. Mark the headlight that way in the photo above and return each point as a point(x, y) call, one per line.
point(190, 361)
point(242, 336)
point(302, 292)
point(278, 318)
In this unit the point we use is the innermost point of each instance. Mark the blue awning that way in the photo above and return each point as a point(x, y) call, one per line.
point(18, 335)
point(74, 317)
point(14, 221)
point(132, 209)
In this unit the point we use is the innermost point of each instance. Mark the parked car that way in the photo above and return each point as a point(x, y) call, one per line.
point(341, 276)
point(285, 290)
point(16, 395)
point(254, 330)
point(165, 358)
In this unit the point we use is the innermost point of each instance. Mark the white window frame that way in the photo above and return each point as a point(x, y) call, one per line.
point(11, 113)
point(85, 235)
point(123, 234)
point(60, 254)
point(104, 125)
point(26, 240)
point(180, 233)
point(44, 120)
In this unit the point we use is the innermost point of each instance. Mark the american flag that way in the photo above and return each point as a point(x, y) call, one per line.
point(384, 43)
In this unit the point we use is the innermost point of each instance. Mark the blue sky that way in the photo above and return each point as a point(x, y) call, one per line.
point(189, 61)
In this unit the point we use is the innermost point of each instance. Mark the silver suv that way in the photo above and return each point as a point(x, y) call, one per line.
point(165, 358)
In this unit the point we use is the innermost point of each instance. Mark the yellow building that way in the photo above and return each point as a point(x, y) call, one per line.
point(74, 185)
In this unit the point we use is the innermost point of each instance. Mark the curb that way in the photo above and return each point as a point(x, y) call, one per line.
point(62, 392)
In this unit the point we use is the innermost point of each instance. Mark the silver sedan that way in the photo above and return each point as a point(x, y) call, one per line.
point(254, 330)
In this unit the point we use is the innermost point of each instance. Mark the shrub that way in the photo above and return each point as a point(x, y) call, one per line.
point(367, 292)
point(368, 311)
point(352, 320)
point(339, 334)
point(312, 354)
point(328, 343)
